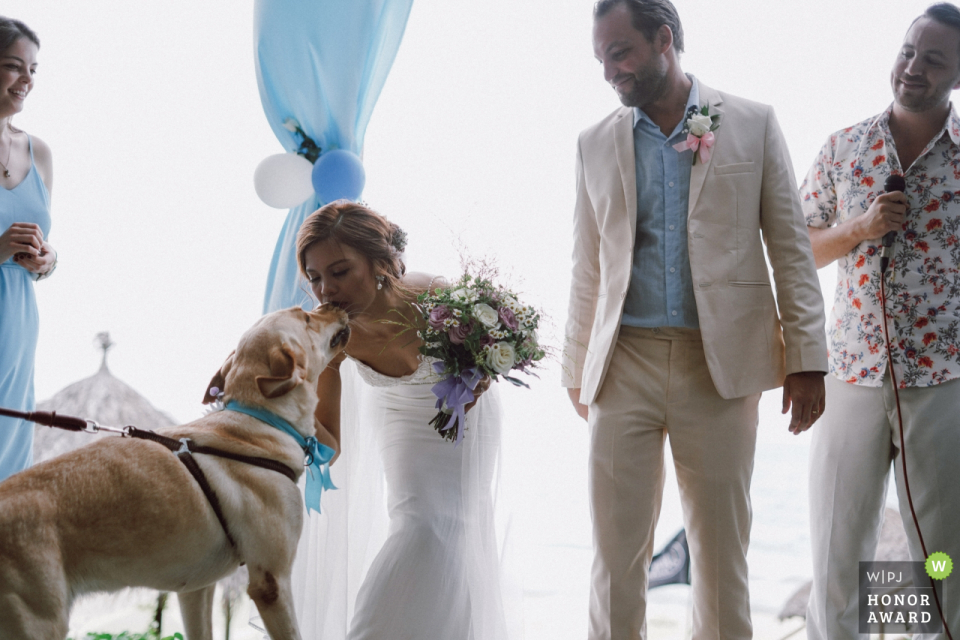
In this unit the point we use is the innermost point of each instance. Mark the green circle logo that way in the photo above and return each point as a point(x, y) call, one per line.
point(939, 565)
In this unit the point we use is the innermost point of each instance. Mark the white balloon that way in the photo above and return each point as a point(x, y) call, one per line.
point(283, 180)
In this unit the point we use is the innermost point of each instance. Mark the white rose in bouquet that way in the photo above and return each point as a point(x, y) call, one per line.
point(700, 124)
point(501, 357)
point(463, 295)
point(485, 314)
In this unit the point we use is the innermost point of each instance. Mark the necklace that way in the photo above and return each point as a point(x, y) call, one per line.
point(6, 172)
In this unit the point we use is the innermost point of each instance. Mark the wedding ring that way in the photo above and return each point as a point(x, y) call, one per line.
point(814, 412)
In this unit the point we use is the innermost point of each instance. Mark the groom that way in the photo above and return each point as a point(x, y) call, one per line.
point(673, 329)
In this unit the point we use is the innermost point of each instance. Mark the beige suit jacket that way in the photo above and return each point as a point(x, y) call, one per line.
point(746, 189)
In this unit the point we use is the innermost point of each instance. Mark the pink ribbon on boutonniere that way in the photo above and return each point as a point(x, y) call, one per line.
point(700, 145)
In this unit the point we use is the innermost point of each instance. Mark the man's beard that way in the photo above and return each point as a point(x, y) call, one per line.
point(921, 103)
point(649, 85)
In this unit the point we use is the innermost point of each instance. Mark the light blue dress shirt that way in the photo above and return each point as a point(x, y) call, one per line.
point(661, 286)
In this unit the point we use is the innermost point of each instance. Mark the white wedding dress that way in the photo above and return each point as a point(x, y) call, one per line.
point(407, 548)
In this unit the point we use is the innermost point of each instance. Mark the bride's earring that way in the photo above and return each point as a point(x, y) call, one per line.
point(379, 283)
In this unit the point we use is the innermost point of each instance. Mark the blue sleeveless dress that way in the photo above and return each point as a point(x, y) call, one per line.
point(19, 322)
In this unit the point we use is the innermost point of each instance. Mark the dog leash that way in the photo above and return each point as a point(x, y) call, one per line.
point(184, 448)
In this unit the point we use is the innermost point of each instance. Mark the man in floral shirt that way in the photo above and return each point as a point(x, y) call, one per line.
point(847, 214)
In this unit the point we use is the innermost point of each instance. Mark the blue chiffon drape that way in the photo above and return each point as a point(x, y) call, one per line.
point(323, 63)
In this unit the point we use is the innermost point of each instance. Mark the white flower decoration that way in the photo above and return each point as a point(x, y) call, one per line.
point(463, 294)
point(501, 357)
point(485, 314)
point(699, 124)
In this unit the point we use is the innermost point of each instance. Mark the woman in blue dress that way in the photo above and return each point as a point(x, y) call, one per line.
point(26, 173)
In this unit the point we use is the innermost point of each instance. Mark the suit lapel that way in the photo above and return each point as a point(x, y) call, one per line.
point(626, 161)
point(698, 174)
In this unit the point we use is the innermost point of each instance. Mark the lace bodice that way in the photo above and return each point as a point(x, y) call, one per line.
point(423, 375)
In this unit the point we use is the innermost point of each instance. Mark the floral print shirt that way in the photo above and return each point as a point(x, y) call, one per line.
point(922, 281)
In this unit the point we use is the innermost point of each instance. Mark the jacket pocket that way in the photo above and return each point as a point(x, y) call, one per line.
point(745, 283)
point(737, 167)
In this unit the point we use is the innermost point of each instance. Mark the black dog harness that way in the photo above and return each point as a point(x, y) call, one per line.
point(184, 448)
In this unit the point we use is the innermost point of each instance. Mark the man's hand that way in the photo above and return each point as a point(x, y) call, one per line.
point(804, 390)
point(886, 213)
point(581, 409)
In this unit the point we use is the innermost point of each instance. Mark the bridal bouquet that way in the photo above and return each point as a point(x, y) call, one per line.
point(474, 329)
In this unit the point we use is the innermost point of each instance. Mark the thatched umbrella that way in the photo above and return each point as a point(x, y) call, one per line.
point(892, 547)
point(101, 397)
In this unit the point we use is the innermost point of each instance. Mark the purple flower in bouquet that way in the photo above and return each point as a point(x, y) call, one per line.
point(486, 340)
point(460, 332)
point(507, 318)
point(437, 315)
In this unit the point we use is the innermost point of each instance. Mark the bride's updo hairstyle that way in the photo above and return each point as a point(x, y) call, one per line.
point(358, 227)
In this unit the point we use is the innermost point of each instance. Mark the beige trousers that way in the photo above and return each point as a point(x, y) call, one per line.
point(851, 451)
point(658, 386)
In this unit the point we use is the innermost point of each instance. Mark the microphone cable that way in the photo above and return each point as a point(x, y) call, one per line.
point(896, 395)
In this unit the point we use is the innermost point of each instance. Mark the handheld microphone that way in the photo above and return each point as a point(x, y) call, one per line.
point(893, 183)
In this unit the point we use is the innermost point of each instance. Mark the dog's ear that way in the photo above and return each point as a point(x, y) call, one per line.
point(285, 374)
point(218, 381)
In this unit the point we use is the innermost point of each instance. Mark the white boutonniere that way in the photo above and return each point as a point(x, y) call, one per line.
point(699, 127)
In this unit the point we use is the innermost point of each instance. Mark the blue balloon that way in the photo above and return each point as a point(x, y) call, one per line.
point(338, 175)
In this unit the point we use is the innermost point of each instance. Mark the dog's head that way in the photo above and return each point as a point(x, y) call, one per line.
point(278, 361)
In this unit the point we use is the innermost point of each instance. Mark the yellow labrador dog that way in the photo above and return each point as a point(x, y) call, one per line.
point(127, 512)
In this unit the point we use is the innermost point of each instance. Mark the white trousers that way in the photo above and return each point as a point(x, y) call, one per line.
point(851, 452)
point(657, 386)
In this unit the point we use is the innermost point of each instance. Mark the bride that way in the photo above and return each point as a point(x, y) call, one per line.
point(422, 562)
